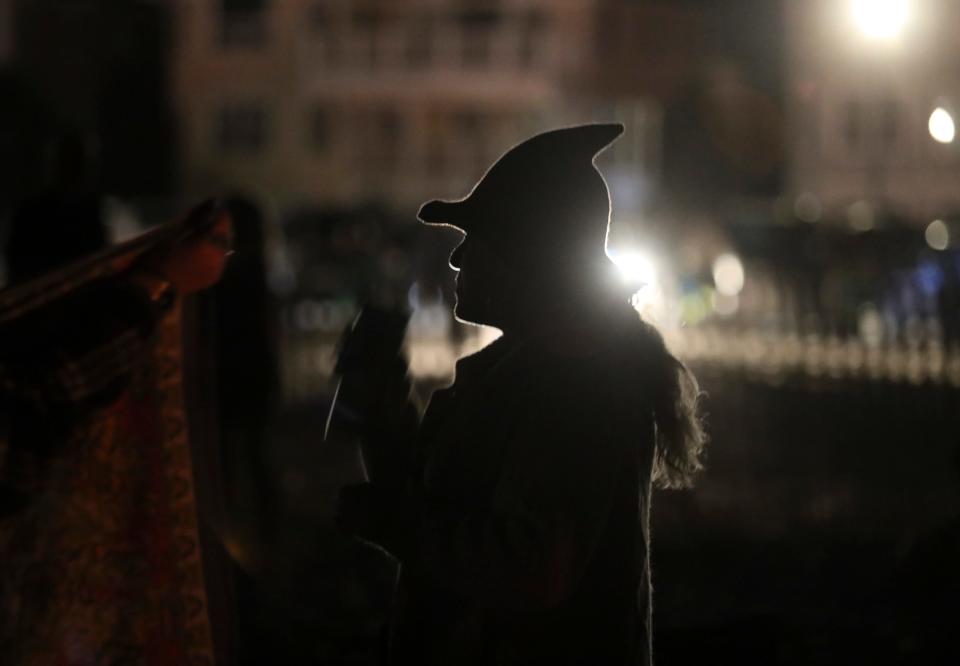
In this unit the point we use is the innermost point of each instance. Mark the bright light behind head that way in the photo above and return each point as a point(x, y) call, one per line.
point(635, 267)
point(941, 125)
point(639, 273)
point(881, 19)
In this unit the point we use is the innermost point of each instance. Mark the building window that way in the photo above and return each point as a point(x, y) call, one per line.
point(477, 29)
point(368, 21)
point(480, 17)
point(326, 28)
point(243, 23)
point(243, 5)
point(531, 36)
point(420, 41)
point(367, 17)
point(319, 130)
point(242, 127)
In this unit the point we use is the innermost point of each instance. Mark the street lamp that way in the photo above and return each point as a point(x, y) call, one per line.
point(881, 20)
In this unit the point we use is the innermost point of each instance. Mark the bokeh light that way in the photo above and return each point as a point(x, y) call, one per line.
point(728, 274)
point(860, 216)
point(808, 208)
point(871, 325)
point(941, 125)
point(881, 19)
point(937, 235)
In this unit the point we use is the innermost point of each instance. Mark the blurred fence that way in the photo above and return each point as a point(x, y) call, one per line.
point(776, 357)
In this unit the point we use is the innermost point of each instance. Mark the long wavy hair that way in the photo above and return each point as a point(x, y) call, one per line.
point(667, 382)
point(680, 436)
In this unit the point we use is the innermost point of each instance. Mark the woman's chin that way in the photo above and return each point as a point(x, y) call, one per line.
point(465, 314)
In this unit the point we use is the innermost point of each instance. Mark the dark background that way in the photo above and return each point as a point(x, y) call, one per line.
point(825, 529)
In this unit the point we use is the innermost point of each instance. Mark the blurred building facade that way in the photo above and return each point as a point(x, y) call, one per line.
point(334, 103)
point(865, 80)
point(339, 103)
point(341, 118)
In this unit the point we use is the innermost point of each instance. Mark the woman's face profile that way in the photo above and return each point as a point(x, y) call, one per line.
point(484, 281)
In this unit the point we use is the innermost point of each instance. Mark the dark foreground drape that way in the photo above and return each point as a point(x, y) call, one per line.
point(100, 532)
point(104, 565)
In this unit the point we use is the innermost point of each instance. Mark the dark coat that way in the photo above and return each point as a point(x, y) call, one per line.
point(528, 541)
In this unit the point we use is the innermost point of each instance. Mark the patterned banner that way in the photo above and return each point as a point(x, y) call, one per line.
point(99, 536)
point(105, 566)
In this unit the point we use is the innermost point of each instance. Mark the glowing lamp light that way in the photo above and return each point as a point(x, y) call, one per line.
point(635, 267)
point(728, 274)
point(881, 19)
point(941, 126)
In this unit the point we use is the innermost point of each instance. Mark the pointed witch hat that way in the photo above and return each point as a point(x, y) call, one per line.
point(546, 185)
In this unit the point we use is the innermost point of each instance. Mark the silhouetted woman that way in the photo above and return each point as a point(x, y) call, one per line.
point(519, 507)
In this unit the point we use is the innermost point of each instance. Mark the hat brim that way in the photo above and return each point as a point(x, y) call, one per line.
point(438, 213)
